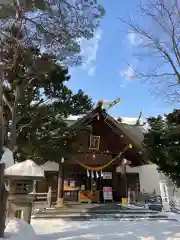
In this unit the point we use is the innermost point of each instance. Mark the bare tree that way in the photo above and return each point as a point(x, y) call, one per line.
point(156, 36)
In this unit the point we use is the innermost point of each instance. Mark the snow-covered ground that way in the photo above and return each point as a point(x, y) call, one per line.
point(17, 229)
point(57, 229)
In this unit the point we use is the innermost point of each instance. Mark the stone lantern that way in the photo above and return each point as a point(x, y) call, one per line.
point(20, 180)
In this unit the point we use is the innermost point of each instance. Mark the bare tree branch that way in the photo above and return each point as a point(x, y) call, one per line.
point(158, 46)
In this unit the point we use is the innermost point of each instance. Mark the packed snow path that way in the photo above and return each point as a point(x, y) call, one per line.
point(57, 229)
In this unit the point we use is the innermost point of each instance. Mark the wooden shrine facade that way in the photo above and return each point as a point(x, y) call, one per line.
point(99, 152)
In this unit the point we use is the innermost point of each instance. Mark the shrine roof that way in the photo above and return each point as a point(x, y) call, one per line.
point(134, 132)
point(126, 126)
point(23, 169)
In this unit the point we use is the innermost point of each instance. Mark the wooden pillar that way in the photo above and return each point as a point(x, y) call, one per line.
point(115, 184)
point(123, 185)
point(60, 192)
point(126, 182)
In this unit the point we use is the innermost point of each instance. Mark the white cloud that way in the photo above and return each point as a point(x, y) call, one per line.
point(129, 73)
point(123, 85)
point(89, 49)
point(91, 71)
point(134, 39)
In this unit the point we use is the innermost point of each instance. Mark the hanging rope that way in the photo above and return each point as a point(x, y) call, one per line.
point(93, 168)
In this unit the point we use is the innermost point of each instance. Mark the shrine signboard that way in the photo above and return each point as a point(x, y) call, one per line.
point(107, 193)
point(94, 142)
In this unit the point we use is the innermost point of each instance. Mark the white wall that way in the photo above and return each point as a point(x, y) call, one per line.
point(128, 169)
point(148, 177)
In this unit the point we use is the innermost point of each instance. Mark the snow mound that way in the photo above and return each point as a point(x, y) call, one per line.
point(18, 229)
point(172, 215)
point(26, 169)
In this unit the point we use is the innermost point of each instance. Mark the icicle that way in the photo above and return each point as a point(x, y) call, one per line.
point(88, 173)
point(101, 173)
point(92, 174)
point(97, 175)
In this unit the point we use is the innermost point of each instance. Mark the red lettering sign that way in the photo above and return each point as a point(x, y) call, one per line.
point(107, 189)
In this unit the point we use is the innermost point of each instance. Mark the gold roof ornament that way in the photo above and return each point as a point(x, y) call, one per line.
point(113, 103)
point(107, 105)
point(139, 118)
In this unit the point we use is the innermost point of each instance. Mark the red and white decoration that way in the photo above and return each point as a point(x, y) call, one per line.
point(107, 193)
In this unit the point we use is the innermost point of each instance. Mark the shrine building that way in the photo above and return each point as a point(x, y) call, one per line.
point(107, 157)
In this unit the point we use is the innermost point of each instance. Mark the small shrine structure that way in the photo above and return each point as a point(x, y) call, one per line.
point(20, 179)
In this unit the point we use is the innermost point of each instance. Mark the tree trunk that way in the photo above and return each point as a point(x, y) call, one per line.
point(18, 92)
point(3, 199)
point(2, 166)
point(60, 192)
point(174, 190)
point(13, 130)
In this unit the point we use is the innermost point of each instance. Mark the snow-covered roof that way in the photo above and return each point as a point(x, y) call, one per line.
point(127, 123)
point(127, 120)
point(136, 132)
point(25, 169)
point(50, 166)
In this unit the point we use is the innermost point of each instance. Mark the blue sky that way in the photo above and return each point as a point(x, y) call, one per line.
point(105, 73)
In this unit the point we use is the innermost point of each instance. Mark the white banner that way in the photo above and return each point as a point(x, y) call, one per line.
point(72, 184)
point(107, 175)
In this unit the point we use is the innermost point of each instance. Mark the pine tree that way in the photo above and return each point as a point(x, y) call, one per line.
point(163, 144)
point(57, 26)
point(38, 102)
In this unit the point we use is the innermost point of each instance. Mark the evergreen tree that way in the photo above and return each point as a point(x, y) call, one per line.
point(27, 28)
point(57, 26)
point(163, 144)
point(37, 100)
point(37, 105)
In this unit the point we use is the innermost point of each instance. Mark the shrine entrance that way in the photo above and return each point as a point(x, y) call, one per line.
point(91, 189)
